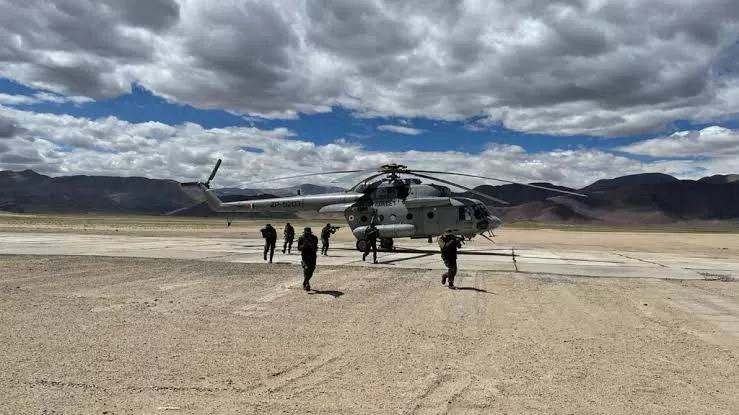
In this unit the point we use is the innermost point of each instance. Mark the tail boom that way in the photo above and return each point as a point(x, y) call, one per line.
point(201, 193)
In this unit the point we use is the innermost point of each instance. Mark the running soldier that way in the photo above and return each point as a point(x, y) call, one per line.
point(289, 236)
point(308, 246)
point(270, 240)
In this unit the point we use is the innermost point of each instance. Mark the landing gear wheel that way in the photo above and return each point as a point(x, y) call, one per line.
point(386, 244)
point(361, 245)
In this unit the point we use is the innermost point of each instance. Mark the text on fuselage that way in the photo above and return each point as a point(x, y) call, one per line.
point(296, 203)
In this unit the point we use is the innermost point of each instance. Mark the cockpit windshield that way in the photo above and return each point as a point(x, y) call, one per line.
point(479, 211)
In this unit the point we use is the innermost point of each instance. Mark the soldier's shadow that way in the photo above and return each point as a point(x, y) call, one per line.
point(479, 290)
point(332, 293)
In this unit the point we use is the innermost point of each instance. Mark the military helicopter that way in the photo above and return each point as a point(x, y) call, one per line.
point(399, 207)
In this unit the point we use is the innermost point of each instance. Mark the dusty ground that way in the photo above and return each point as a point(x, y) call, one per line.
point(120, 335)
point(707, 240)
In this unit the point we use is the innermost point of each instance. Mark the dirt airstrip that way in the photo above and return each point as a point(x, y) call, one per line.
point(133, 335)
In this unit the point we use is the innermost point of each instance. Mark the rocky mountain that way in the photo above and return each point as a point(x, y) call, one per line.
point(635, 199)
point(28, 191)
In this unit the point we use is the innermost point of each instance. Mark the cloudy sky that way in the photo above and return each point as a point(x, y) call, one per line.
point(564, 91)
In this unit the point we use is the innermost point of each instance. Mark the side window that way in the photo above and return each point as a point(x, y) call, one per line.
point(430, 215)
point(461, 212)
point(409, 216)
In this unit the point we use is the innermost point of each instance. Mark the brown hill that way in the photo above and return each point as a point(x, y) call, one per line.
point(635, 199)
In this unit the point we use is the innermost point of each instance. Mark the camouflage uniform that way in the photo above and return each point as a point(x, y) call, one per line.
point(371, 242)
point(270, 240)
point(449, 245)
point(289, 236)
point(308, 246)
point(325, 235)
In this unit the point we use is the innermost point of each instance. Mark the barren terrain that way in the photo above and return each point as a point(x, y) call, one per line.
point(705, 240)
point(135, 335)
point(119, 335)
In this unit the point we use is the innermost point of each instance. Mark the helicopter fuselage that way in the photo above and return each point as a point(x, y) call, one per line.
point(404, 208)
point(398, 207)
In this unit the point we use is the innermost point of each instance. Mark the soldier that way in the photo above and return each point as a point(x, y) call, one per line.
point(308, 246)
point(370, 236)
point(449, 244)
point(270, 240)
point(325, 235)
point(289, 236)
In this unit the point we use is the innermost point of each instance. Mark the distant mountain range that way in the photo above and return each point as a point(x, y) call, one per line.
point(650, 198)
point(636, 199)
point(28, 191)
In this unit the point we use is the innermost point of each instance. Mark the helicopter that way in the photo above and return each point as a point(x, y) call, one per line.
point(400, 207)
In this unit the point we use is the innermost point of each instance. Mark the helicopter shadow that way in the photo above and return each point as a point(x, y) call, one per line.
point(433, 251)
point(332, 293)
point(392, 261)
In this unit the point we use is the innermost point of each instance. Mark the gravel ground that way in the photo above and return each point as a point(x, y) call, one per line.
point(119, 335)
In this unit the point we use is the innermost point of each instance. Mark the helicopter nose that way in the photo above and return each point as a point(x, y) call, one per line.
point(494, 222)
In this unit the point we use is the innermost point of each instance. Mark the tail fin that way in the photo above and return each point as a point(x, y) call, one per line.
point(200, 192)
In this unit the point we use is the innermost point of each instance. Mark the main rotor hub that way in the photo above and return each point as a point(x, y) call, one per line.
point(393, 168)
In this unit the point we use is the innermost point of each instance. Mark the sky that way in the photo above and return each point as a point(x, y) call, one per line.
point(562, 91)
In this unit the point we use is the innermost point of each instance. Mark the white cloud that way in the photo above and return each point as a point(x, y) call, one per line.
point(400, 129)
point(600, 67)
point(40, 97)
point(7, 99)
point(711, 141)
point(63, 145)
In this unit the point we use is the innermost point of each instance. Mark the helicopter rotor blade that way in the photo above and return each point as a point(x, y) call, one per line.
point(505, 181)
point(213, 173)
point(365, 180)
point(314, 174)
point(459, 186)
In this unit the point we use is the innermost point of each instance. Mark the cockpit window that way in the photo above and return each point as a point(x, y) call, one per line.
point(465, 213)
point(479, 213)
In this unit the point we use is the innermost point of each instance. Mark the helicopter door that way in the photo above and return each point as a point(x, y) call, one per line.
point(430, 220)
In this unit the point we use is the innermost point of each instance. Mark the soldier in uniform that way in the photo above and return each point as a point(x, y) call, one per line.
point(325, 235)
point(270, 240)
point(449, 243)
point(370, 236)
point(289, 236)
point(308, 246)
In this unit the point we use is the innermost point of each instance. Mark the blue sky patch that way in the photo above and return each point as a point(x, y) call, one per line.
point(340, 124)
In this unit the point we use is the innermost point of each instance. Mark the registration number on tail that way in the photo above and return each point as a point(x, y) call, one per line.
point(286, 204)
